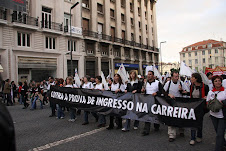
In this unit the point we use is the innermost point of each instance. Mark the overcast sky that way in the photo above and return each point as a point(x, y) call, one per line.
point(184, 22)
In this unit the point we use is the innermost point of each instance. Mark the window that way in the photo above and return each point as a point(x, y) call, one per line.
point(216, 50)
point(190, 62)
point(73, 46)
point(50, 43)
point(99, 8)
point(123, 17)
point(123, 34)
point(139, 25)
point(23, 39)
point(196, 61)
point(189, 54)
point(112, 13)
point(183, 54)
point(189, 49)
point(140, 39)
point(203, 60)
point(139, 11)
point(196, 53)
point(216, 59)
point(85, 3)
point(66, 19)
point(146, 28)
point(204, 46)
point(145, 14)
point(131, 7)
point(46, 17)
point(131, 20)
point(209, 45)
point(203, 52)
point(146, 41)
point(209, 51)
point(184, 61)
point(132, 37)
point(122, 3)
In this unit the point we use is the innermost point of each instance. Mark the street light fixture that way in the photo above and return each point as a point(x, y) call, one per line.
point(71, 34)
point(161, 53)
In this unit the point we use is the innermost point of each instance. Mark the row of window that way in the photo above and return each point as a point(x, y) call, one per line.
point(198, 47)
point(203, 61)
point(203, 53)
point(24, 40)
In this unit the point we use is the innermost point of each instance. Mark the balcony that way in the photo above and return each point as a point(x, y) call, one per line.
point(90, 52)
point(24, 20)
point(106, 37)
point(137, 45)
point(52, 26)
point(104, 53)
point(117, 54)
point(89, 33)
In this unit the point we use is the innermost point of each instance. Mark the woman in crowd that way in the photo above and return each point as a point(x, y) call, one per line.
point(100, 86)
point(24, 91)
point(36, 96)
point(60, 112)
point(218, 118)
point(197, 90)
point(116, 87)
point(88, 85)
point(19, 93)
point(134, 86)
point(70, 84)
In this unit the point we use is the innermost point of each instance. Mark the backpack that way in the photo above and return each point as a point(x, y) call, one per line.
point(214, 105)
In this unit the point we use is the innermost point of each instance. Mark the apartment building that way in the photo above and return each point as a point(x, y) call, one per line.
point(208, 53)
point(36, 43)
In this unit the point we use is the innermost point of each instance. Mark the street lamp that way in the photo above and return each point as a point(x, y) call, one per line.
point(161, 53)
point(71, 34)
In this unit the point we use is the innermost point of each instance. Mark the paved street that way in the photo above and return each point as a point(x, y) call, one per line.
point(36, 131)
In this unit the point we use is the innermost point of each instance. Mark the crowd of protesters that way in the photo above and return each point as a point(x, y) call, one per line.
point(173, 86)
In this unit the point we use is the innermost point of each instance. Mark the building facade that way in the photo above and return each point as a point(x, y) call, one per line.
point(207, 53)
point(36, 44)
point(167, 66)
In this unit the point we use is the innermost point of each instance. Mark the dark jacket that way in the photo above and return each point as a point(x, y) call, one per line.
point(7, 132)
point(206, 89)
point(135, 86)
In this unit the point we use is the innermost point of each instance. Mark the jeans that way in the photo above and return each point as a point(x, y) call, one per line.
point(9, 100)
point(60, 112)
point(127, 125)
point(147, 127)
point(102, 119)
point(219, 126)
point(172, 131)
point(33, 106)
point(72, 113)
point(86, 116)
point(20, 99)
point(198, 131)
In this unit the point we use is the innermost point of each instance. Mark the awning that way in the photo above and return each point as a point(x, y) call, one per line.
point(1, 69)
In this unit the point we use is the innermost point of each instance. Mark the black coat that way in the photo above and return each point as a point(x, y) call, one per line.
point(135, 86)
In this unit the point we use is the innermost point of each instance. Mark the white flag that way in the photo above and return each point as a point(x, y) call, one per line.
point(127, 74)
point(76, 78)
point(104, 82)
point(185, 70)
point(204, 78)
point(122, 73)
point(187, 84)
point(157, 74)
point(148, 68)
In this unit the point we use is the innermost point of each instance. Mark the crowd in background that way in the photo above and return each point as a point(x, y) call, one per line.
point(28, 94)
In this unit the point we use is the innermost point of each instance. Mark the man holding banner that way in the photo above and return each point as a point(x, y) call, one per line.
point(174, 88)
point(153, 87)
